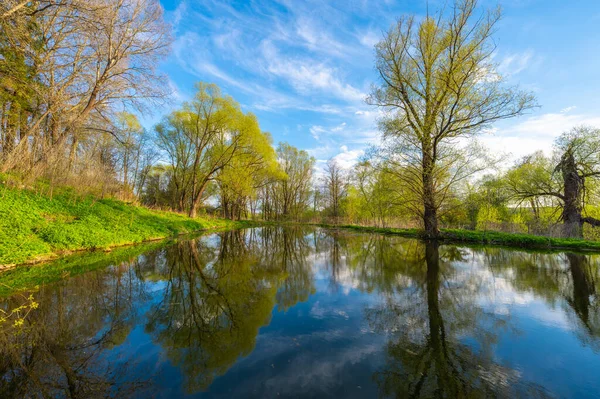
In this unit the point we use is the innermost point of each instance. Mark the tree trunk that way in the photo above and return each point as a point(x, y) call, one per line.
point(196, 200)
point(571, 214)
point(193, 208)
point(73, 154)
point(430, 221)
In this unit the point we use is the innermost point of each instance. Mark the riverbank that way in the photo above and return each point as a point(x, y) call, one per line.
point(36, 228)
point(485, 238)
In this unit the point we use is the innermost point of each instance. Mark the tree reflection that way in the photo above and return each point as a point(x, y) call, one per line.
point(568, 279)
point(218, 296)
point(57, 351)
point(289, 251)
point(583, 289)
point(203, 302)
point(216, 293)
point(441, 342)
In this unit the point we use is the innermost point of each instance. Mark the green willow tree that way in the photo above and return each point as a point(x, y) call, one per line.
point(438, 85)
point(205, 136)
point(375, 196)
point(248, 171)
point(289, 197)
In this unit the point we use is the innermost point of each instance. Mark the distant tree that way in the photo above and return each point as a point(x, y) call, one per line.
point(487, 195)
point(290, 196)
point(335, 187)
point(379, 194)
point(251, 169)
point(438, 85)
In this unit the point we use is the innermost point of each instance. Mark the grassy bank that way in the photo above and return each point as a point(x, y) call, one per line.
point(487, 238)
point(35, 227)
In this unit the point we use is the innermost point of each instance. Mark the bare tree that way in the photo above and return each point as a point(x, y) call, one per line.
point(92, 58)
point(335, 182)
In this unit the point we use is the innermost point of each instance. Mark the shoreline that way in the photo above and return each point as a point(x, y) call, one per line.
point(456, 236)
point(491, 238)
point(62, 254)
point(28, 276)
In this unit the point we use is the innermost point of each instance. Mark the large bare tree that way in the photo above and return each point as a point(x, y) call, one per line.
point(439, 85)
point(90, 59)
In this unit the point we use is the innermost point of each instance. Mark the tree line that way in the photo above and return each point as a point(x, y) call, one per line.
point(74, 75)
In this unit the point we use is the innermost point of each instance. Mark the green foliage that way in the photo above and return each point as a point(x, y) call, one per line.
point(36, 227)
point(377, 194)
point(439, 82)
point(289, 194)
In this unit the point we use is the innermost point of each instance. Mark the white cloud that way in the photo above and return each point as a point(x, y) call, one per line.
point(339, 128)
point(369, 38)
point(348, 158)
point(567, 109)
point(316, 39)
point(515, 63)
point(536, 132)
point(178, 14)
point(316, 131)
point(307, 75)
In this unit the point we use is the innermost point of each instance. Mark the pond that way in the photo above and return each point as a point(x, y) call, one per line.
point(309, 312)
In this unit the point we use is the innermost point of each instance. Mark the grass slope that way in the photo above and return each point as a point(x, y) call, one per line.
point(487, 237)
point(34, 227)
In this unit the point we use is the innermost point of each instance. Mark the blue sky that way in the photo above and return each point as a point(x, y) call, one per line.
point(304, 66)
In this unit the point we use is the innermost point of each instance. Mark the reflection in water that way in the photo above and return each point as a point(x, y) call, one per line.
point(214, 302)
point(427, 355)
point(57, 352)
point(428, 321)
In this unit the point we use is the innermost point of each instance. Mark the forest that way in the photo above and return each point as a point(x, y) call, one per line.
point(78, 76)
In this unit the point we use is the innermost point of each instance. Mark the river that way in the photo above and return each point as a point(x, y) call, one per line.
point(310, 312)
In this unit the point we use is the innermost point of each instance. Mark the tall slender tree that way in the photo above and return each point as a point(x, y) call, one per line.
point(336, 185)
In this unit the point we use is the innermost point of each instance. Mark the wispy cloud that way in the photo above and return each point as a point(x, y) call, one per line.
point(310, 63)
point(515, 63)
point(369, 38)
point(308, 75)
point(567, 109)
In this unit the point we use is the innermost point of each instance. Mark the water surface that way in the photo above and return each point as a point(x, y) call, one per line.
point(307, 312)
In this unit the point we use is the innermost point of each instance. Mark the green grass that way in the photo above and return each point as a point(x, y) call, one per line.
point(28, 277)
point(35, 227)
point(487, 238)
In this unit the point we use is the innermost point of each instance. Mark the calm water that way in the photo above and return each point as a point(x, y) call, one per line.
point(303, 312)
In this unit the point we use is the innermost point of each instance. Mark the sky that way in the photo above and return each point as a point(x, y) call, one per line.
point(304, 67)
